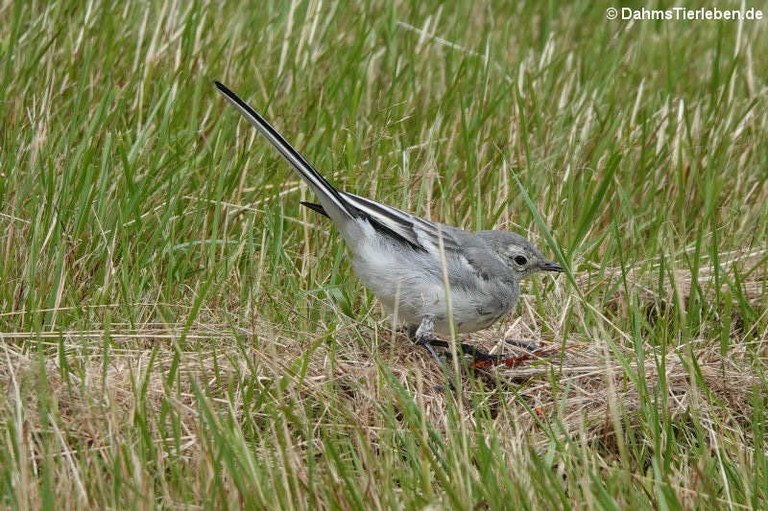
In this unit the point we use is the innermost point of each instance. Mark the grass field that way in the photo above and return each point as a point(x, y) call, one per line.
point(177, 332)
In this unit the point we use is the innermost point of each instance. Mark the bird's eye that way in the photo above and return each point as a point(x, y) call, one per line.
point(521, 260)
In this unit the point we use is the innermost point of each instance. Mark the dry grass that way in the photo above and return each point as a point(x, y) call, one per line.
point(593, 388)
point(65, 400)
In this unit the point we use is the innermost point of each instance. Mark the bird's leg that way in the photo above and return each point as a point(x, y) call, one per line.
point(468, 349)
point(424, 336)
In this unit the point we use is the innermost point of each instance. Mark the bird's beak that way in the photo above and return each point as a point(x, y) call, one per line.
point(550, 266)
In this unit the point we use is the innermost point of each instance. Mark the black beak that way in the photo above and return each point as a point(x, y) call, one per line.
point(550, 266)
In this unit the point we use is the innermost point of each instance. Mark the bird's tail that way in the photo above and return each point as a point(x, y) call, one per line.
point(333, 203)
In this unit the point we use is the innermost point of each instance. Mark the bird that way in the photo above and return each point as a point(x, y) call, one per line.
point(435, 279)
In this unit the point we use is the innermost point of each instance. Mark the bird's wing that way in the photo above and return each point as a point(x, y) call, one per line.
point(426, 235)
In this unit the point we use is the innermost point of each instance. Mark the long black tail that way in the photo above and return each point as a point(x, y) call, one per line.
point(333, 202)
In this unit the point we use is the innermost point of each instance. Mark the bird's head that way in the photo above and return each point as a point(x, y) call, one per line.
point(518, 253)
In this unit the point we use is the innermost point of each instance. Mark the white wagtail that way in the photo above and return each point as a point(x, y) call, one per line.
point(425, 273)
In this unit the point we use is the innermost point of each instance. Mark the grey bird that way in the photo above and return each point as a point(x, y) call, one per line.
point(427, 274)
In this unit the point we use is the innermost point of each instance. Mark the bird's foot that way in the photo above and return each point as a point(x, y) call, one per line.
point(527, 345)
point(534, 352)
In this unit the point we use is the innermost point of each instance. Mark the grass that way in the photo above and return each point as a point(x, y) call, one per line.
point(177, 332)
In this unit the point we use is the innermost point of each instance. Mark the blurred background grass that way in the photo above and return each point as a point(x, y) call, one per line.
point(177, 331)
